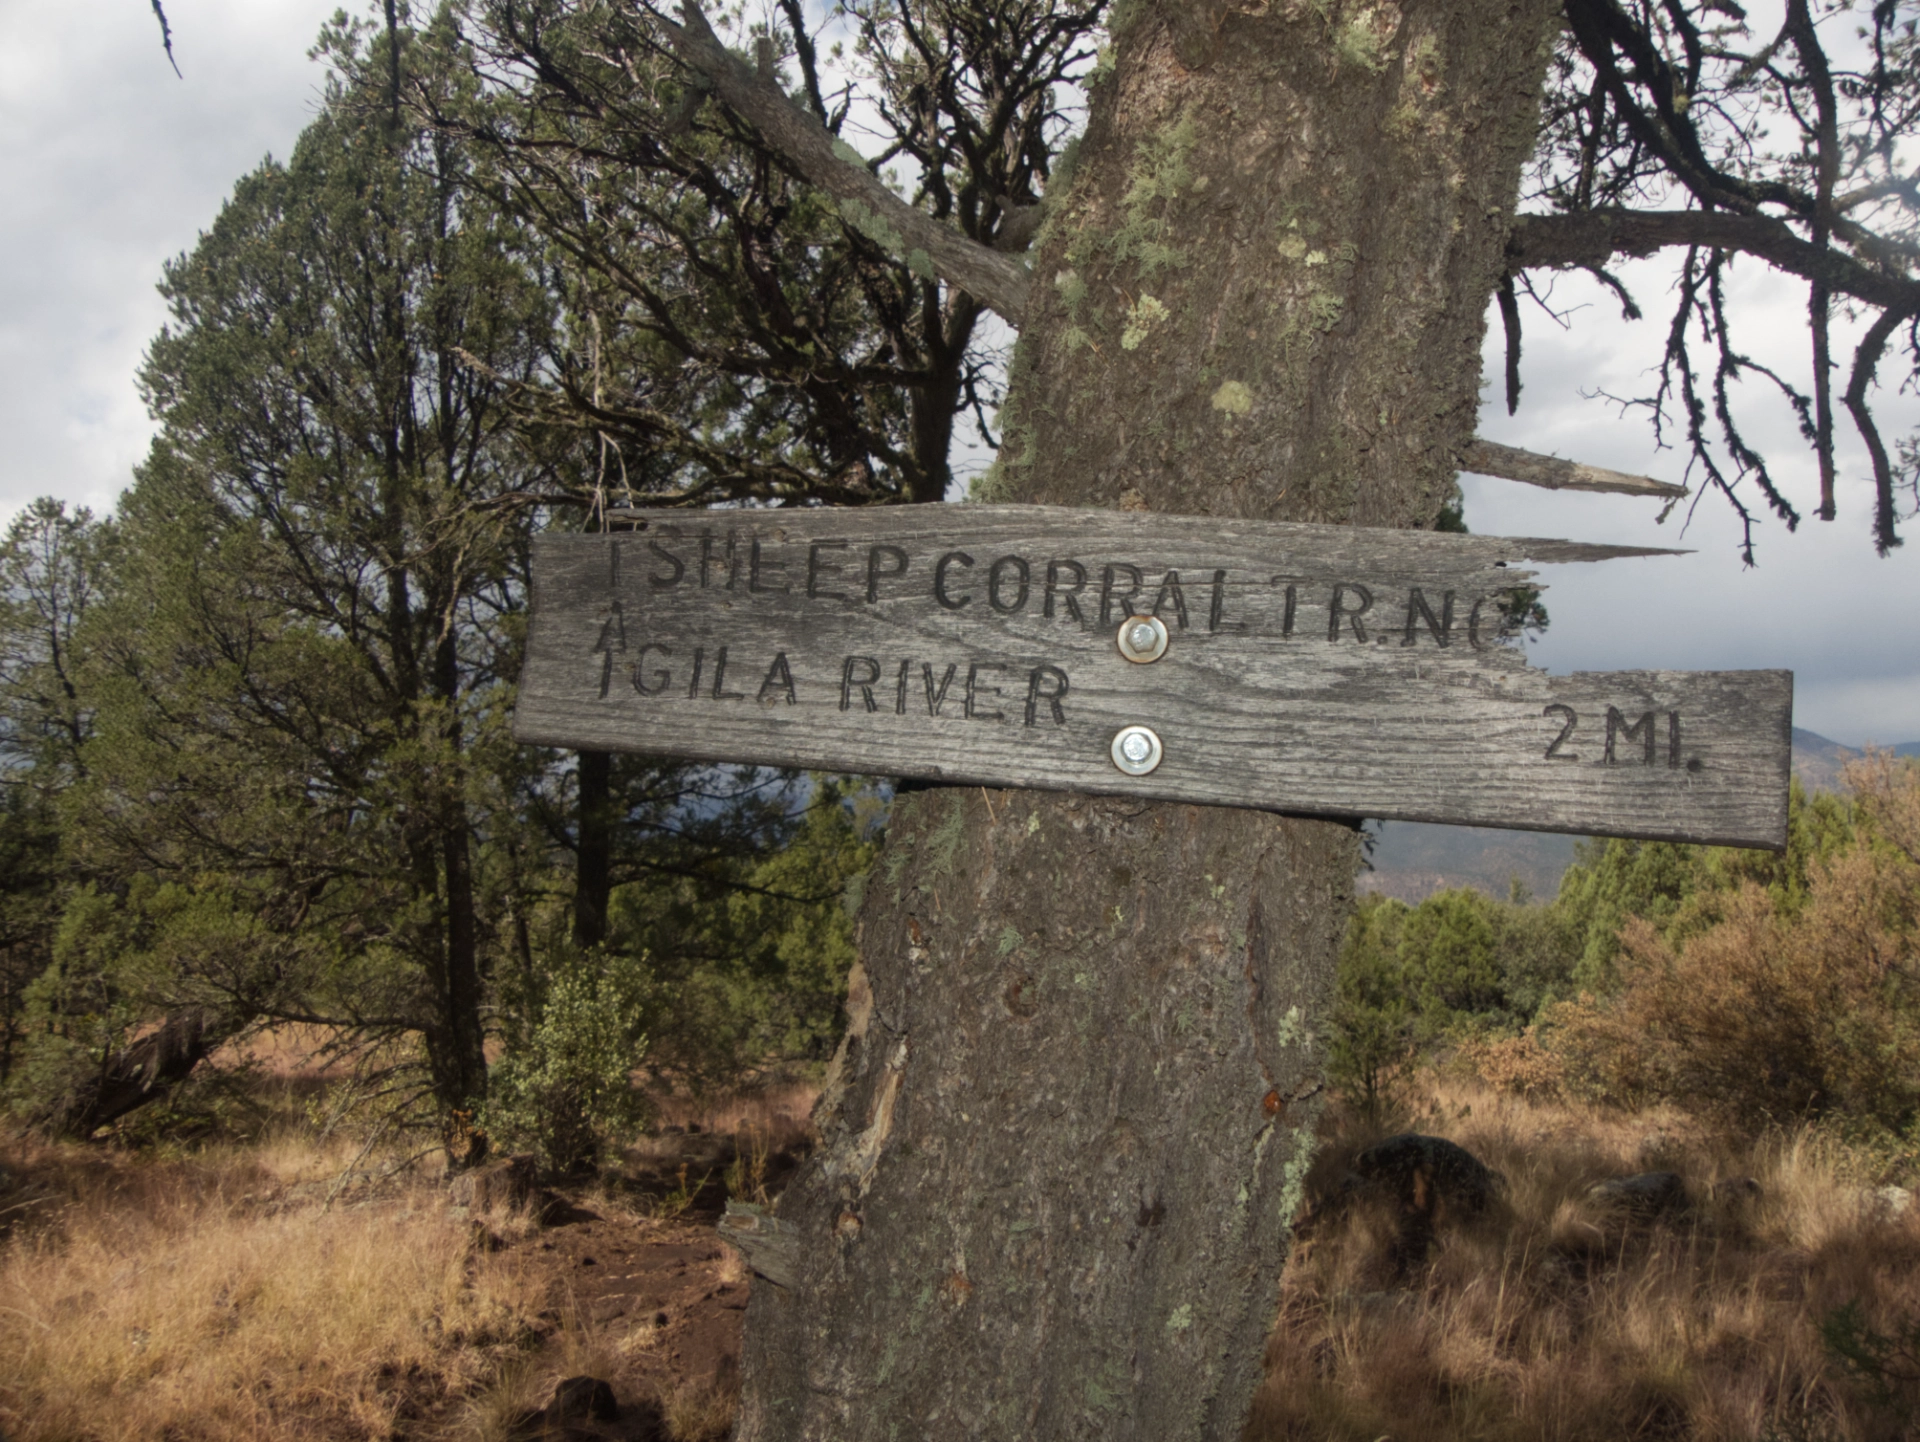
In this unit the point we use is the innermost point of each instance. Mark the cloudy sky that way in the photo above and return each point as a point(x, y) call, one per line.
point(110, 165)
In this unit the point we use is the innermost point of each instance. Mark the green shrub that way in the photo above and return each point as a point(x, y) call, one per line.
point(567, 1091)
point(1370, 1042)
point(1767, 1014)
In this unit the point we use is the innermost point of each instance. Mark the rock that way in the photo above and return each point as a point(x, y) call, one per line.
point(583, 1399)
point(1420, 1181)
point(498, 1186)
point(1659, 1150)
point(1737, 1191)
point(1424, 1174)
point(1642, 1197)
point(609, 1309)
point(770, 1245)
point(577, 1403)
point(1884, 1204)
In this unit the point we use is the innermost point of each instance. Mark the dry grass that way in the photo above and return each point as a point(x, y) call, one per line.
point(704, 1411)
point(779, 1111)
point(222, 1298)
point(1553, 1321)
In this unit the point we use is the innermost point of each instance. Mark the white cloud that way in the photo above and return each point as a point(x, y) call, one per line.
point(111, 165)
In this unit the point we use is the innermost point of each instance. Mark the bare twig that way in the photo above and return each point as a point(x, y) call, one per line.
point(166, 37)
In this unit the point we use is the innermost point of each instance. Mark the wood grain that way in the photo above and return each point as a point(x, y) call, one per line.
point(1342, 700)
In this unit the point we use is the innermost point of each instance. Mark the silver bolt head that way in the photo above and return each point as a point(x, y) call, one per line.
point(1143, 638)
point(1136, 750)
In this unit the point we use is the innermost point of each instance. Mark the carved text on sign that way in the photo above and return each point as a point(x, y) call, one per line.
point(1306, 668)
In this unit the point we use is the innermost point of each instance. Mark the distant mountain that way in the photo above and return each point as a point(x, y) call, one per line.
point(1412, 860)
point(1818, 761)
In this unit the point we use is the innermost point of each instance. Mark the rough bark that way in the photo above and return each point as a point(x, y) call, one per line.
point(1061, 1147)
point(464, 987)
point(1265, 292)
point(1065, 1128)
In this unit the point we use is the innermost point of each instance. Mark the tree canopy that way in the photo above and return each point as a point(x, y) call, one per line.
point(1694, 130)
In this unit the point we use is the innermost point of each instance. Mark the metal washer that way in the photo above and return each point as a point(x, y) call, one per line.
point(1142, 639)
point(1136, 750)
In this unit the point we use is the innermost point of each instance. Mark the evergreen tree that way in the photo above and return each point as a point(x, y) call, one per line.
point(302, 671)
point(1447, 957)
point(53, 568)
point(1370, 1040)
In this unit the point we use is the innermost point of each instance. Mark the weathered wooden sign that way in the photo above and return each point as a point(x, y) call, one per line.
point(1300, 668)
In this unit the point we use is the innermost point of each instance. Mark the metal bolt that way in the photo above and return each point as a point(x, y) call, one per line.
point(1143, 638)
point(1136, 750)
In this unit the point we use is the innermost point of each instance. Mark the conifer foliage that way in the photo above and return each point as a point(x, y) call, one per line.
point(257, 761)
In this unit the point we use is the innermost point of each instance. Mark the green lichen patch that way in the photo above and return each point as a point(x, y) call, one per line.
point(1142, 316)
point(1233, 399)
point(1293, 1181)
point(1162, 174)
point(1362, 39)
point(873, 225)
point(945, 841)
point(1416, 109)
point(1293, 1028)
point(991, 487)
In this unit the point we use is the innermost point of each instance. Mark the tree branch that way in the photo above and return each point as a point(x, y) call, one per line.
point(166, 37)
point(1509, 463)
point(1587, 240)
point(1865, 359)
point(926, 246)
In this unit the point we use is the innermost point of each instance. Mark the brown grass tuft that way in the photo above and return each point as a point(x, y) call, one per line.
point(703, 1411)
point(1554, 1319)
point(223, 1299)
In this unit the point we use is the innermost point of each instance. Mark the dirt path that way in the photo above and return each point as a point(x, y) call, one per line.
point(653, 1308)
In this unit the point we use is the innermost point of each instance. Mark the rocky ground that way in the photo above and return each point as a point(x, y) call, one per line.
point(646, 1303)
point(660, 1304)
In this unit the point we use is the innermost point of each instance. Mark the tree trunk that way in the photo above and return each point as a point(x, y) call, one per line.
point(1064, 1129)
point(455, 1038)
point(141, 1071)
point(593, 861)
point(1065, 1137)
